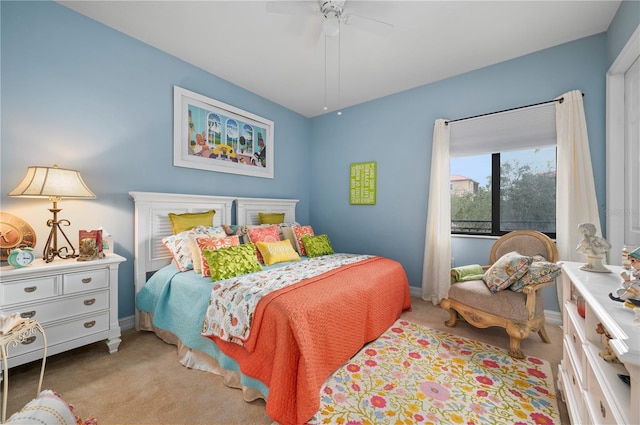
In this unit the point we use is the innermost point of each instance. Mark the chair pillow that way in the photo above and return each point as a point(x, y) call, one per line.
point(225, 263)
point(48, 408)
point(507, 270)
point(316, 246)
point(539, 272)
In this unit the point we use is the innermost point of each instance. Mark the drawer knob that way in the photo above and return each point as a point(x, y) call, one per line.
point(603, 410)
point(86, 280)
point(90, 301)
point(28, 340)
point(574, 338)
point(28, 314)
point(89, 324)
point(30, 289)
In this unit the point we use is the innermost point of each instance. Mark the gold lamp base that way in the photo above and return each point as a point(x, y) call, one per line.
point(51, 249)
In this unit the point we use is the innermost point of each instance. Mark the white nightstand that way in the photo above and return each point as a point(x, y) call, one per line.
point(76, 302)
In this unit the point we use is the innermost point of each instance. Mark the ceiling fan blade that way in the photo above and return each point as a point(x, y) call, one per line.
point(297, 8)
point(364, 23)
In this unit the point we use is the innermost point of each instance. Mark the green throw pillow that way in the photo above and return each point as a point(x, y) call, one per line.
point(317, 245)
point(232, 261)
point(270, 218)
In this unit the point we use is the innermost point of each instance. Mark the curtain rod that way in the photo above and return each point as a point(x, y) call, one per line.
point(508, 110)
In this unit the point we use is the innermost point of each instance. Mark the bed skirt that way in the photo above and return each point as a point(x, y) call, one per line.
point(196, 359)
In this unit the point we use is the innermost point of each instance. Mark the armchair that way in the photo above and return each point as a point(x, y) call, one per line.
point(518, 312)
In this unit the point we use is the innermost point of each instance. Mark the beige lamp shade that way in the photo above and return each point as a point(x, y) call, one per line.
point(52, 182)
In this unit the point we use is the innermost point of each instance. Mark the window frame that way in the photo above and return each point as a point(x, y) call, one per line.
point(495, 203)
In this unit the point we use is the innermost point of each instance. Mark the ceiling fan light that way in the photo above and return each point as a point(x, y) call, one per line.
point(331, 26)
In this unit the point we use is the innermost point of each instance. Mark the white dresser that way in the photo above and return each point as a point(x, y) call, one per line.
point(592, 390)
point(76, 302)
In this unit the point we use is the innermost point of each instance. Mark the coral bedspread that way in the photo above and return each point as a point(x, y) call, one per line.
point(302, 333)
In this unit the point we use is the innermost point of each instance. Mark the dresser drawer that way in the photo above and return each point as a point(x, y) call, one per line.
point(29, 290)
point(85, 281)
point(63, 332)
point(61, 308)
point(573, 389)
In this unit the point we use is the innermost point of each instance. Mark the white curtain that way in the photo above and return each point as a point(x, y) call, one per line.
point(576, 193)
point(437, 244)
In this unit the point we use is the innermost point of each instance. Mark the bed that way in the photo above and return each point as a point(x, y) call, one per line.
point(300, 334)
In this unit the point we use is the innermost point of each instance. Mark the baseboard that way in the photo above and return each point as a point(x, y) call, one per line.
point(126, 323)
point(551, 317)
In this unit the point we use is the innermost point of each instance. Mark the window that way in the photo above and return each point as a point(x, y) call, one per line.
point(503, 172)
point(493, 194)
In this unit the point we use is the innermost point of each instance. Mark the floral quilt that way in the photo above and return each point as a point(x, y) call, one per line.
point(234, 300)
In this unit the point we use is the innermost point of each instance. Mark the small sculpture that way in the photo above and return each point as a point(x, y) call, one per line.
point(629, 293)
point(594, 247)
point(607, 354)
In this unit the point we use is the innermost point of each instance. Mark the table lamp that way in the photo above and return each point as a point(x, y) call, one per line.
point(54, 183)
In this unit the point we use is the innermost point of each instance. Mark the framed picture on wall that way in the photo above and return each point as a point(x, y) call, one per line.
point(362, 183)
point(211, 135)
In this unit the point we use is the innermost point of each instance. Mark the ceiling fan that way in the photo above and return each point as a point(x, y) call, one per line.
point(331, 14)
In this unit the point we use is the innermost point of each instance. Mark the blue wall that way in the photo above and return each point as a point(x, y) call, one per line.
point(82, 95)
point(397, 131)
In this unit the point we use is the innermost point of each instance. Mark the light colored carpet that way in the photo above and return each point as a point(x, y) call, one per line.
point(143, 383)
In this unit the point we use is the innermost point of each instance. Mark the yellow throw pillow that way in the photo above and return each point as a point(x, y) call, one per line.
point(187, 221)
point(270, 218)
point(277, 252)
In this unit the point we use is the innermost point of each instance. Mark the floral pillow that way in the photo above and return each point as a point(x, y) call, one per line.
point(316, 246)
point(539, 272)
point(181, 245)
point(299, 232)
point(263, 234)
point(506, 271)
point(204, 242)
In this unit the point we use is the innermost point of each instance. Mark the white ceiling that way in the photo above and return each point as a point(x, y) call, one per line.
point(282, 57)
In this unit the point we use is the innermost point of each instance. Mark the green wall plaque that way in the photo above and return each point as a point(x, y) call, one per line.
point(363, 183)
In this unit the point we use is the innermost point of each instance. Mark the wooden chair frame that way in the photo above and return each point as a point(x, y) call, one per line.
point(516, 330)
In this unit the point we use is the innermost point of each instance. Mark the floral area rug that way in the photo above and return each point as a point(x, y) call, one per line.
point(416, 375)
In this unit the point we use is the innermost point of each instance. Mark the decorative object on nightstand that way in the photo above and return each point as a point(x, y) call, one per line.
point(21, 257)
point(14, 232)
point(22, 333)
point(54, 183)
point(90, 245)
point(594, 247)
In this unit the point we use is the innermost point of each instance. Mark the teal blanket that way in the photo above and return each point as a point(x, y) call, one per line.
point(178, 303)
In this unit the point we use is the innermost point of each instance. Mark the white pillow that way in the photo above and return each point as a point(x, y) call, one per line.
point(48, 409)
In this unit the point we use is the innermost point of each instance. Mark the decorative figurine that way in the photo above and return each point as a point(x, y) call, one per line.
point(594, 247)
point(88, 249)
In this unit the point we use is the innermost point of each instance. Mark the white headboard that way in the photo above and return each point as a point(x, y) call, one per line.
point(152, 224)
point(247, 209)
